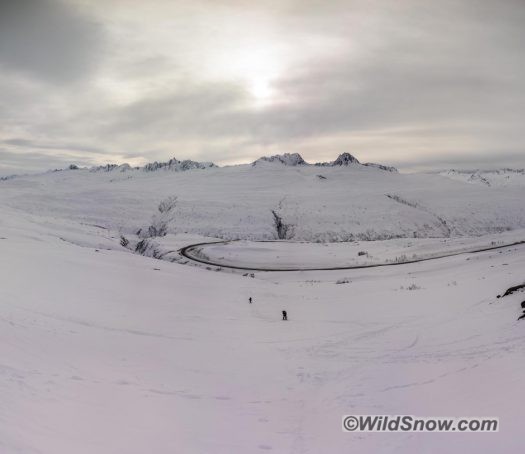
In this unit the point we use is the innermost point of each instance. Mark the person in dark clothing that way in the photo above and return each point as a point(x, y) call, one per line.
point(250, 299)
point(285, 315)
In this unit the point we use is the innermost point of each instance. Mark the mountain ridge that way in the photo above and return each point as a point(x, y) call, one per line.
point(287, 159)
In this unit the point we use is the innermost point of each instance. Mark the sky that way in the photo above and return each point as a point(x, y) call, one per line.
point(418, 84)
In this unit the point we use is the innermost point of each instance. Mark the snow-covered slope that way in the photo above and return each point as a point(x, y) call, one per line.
point(381, 167)
point(106, 352)
point(332, 203)
point(490, 178)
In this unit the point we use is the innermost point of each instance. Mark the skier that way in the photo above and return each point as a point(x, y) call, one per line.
point(285, 315)
point(250, 299)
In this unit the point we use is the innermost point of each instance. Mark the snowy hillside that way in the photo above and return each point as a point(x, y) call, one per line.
point(490, 178)
point(329, 203)
point(106, 349)
point(111, 352)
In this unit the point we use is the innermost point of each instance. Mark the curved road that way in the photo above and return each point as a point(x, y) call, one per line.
point(186, 252)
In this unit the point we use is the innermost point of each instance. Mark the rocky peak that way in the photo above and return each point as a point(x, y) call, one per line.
point(288, 159)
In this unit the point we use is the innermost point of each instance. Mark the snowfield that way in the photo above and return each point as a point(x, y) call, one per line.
point(349, 203)
point(109, 351)
point(279, 255)
point(499, 177)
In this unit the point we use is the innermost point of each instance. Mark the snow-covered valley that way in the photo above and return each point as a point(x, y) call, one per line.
point(110, 351)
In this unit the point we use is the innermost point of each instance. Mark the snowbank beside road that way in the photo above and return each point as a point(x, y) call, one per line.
point(282, 255)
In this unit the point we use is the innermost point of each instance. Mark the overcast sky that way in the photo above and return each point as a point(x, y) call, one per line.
point(413, 83)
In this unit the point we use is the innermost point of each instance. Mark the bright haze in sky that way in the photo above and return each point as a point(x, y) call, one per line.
point(418, 84)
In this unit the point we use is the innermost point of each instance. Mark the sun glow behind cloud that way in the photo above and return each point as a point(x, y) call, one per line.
point(252, 57)
point(256, 69)
point(261, 88)
point(228, 80)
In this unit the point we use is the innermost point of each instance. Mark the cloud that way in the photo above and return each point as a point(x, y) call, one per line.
point(12, 163)
point(31, 144)
point(399, 82)
point(48, 40)
point(412, 75)
point(187, 111)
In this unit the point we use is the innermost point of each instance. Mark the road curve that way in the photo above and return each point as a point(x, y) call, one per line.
point(186, 253)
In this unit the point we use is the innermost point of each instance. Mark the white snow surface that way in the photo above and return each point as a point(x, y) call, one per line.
point(351, 202)
point(491, 178)
point(270, 255)
point(107, 351)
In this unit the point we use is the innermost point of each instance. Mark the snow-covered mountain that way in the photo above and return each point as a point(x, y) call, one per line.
point(177, 166)
point(344, 203)
point(172, 165)
point(287, 159)
point(110, 168)
point(489, 178)
point(344, 159)
point(381, 167)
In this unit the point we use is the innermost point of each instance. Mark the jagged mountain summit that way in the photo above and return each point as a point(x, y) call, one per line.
point(288, 159)
point(345, 159)
point(173, 164)
point(108, 168)
point(177, 166)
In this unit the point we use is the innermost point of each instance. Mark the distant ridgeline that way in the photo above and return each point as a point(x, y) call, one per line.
point(173, 164)
point(295, 159)
point(287, 159)
point(496, 177)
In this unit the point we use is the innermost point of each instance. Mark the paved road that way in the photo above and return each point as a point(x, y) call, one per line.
point(187, 253)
